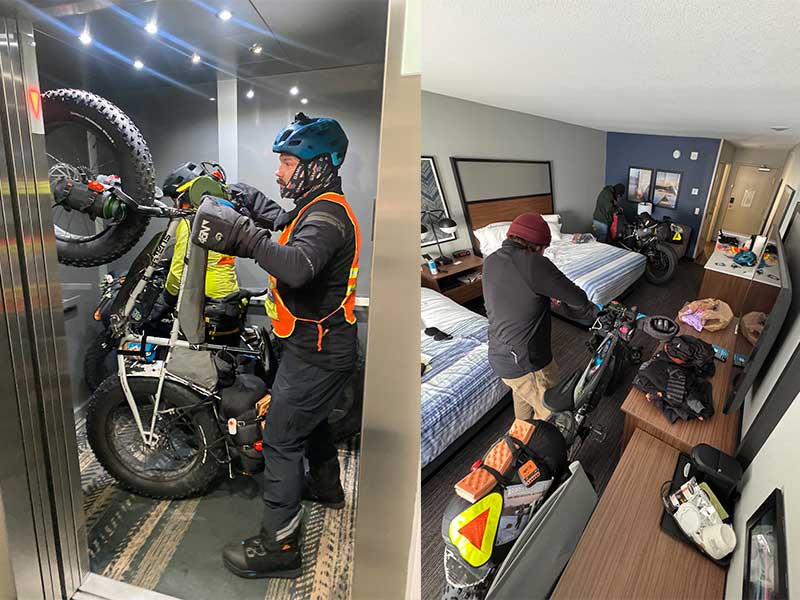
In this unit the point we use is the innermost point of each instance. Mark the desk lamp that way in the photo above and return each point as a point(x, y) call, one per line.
point(438, 220)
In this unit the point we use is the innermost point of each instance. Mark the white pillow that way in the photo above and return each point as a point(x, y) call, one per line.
point(554, 223)
point(491, 236)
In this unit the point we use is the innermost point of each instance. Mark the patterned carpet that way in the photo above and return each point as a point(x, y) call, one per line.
point(174, 547)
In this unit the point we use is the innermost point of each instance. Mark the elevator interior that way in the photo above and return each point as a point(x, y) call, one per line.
point(272, 61)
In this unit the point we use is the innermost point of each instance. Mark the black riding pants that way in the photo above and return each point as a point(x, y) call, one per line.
point(303, 397)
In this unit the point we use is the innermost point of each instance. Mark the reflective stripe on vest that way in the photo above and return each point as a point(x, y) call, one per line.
point(473, 531)
point(283, 321)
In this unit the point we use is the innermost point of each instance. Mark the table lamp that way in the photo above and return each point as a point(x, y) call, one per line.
point(438, 220)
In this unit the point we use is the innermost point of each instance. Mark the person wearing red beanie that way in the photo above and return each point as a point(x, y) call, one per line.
point(518, 284)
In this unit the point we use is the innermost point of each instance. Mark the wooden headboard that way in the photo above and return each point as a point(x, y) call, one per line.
point(483, 211)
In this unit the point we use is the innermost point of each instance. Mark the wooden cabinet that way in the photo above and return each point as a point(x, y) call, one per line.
point(448, 280)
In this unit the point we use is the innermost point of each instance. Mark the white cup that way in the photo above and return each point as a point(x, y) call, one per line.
point(718, 540)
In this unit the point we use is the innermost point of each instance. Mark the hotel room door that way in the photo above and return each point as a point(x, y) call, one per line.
point(749, 201)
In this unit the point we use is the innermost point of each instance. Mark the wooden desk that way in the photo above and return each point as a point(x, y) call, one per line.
point(744, 288)
point(720, 431)
point(446, 280)
point(742, 295)
point(623, 552)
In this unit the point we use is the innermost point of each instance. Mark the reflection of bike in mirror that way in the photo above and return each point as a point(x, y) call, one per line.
point(652, 238)
point(178, 411)
point(101, 175)
point(573, 399)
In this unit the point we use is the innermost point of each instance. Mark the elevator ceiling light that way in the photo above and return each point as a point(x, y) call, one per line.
point(256, 49)
point(303, 100)
point(294, 90)
point(225, 14)
point(151, 27)
point(85, 38)
point(138, 65)
point(250, 94)
point(195, 58)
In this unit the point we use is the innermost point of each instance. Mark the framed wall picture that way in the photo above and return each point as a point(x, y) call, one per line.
point(667, 188)
point(432, 201)
point(765, 573)
point(640, 184)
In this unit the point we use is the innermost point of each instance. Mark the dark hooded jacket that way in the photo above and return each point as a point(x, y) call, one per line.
point(517, 287)
point(312, 271)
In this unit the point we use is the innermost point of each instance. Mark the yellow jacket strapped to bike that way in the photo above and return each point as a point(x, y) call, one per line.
point(283, 321)
point(220, 272)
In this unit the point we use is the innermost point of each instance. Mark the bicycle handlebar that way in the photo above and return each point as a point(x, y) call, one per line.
point(244, 294)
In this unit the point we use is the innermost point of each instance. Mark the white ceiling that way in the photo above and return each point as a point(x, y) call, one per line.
point(704, 68)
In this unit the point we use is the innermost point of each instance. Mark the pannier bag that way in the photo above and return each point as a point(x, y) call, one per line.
point(495, 501)
point(238, 406)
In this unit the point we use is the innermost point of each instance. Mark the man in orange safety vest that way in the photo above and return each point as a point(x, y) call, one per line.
point(313, 268)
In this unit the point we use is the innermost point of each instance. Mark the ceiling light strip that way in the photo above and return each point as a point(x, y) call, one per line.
point(107, 50)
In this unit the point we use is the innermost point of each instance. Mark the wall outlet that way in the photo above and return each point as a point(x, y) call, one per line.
point(697, 210)
point(694, 155)
point(695, 191)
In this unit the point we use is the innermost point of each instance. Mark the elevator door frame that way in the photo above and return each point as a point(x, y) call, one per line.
point(40, 485)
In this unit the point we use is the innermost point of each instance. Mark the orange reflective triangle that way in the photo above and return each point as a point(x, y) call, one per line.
point(475, 529)
point(36, 101)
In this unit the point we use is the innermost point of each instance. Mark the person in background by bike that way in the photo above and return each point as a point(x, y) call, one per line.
point(223, 319)
point(604, 210)
point(312, 269)
point(518, 285)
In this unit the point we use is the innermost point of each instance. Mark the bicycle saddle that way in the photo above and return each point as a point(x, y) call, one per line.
point(562, 396)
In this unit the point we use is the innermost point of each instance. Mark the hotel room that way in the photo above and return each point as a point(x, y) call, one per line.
point(523, 123)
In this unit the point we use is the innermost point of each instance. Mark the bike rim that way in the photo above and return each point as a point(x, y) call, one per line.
point(180, 443)
point(659, 263)
point(75, 152)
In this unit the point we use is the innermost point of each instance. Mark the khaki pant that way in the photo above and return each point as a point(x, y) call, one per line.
point(528, 392)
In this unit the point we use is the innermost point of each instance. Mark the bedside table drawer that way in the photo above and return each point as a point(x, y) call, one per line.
point(466, 292)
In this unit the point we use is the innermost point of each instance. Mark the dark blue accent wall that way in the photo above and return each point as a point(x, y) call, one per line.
point(625, 150)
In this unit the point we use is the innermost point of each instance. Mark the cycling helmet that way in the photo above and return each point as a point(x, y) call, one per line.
point(180, 176)
point(659, 327)
point(745, 258)
point(307, 138)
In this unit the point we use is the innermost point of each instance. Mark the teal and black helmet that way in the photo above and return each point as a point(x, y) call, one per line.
point(307, 138)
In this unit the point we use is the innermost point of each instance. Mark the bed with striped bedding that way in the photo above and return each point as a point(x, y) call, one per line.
point(604, 272)
point(459, 386)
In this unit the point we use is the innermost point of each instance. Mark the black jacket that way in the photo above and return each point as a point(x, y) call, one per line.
point(517, 288)
point(312, 271)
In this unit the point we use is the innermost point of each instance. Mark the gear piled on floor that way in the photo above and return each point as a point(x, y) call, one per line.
point(675, 379)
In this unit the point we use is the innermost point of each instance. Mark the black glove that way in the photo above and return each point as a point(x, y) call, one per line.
point(217, 226)
point(253, 203)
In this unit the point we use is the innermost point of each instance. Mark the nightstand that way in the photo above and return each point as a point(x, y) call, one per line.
point(448, 281)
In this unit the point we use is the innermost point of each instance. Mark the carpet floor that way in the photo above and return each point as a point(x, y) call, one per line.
point(598, 458)
point(174, 547)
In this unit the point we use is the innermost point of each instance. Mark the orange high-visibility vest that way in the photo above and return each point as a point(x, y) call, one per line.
point(283, 321)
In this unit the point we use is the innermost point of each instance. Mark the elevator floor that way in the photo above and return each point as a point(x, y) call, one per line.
point(174, 547)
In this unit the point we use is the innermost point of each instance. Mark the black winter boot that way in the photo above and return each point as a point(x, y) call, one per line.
point(259, 557)
point(322, 484)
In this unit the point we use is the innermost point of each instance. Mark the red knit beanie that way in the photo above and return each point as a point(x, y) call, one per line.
point(532, 228)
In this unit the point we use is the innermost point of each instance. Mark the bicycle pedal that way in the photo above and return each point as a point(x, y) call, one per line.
point(599, 431)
